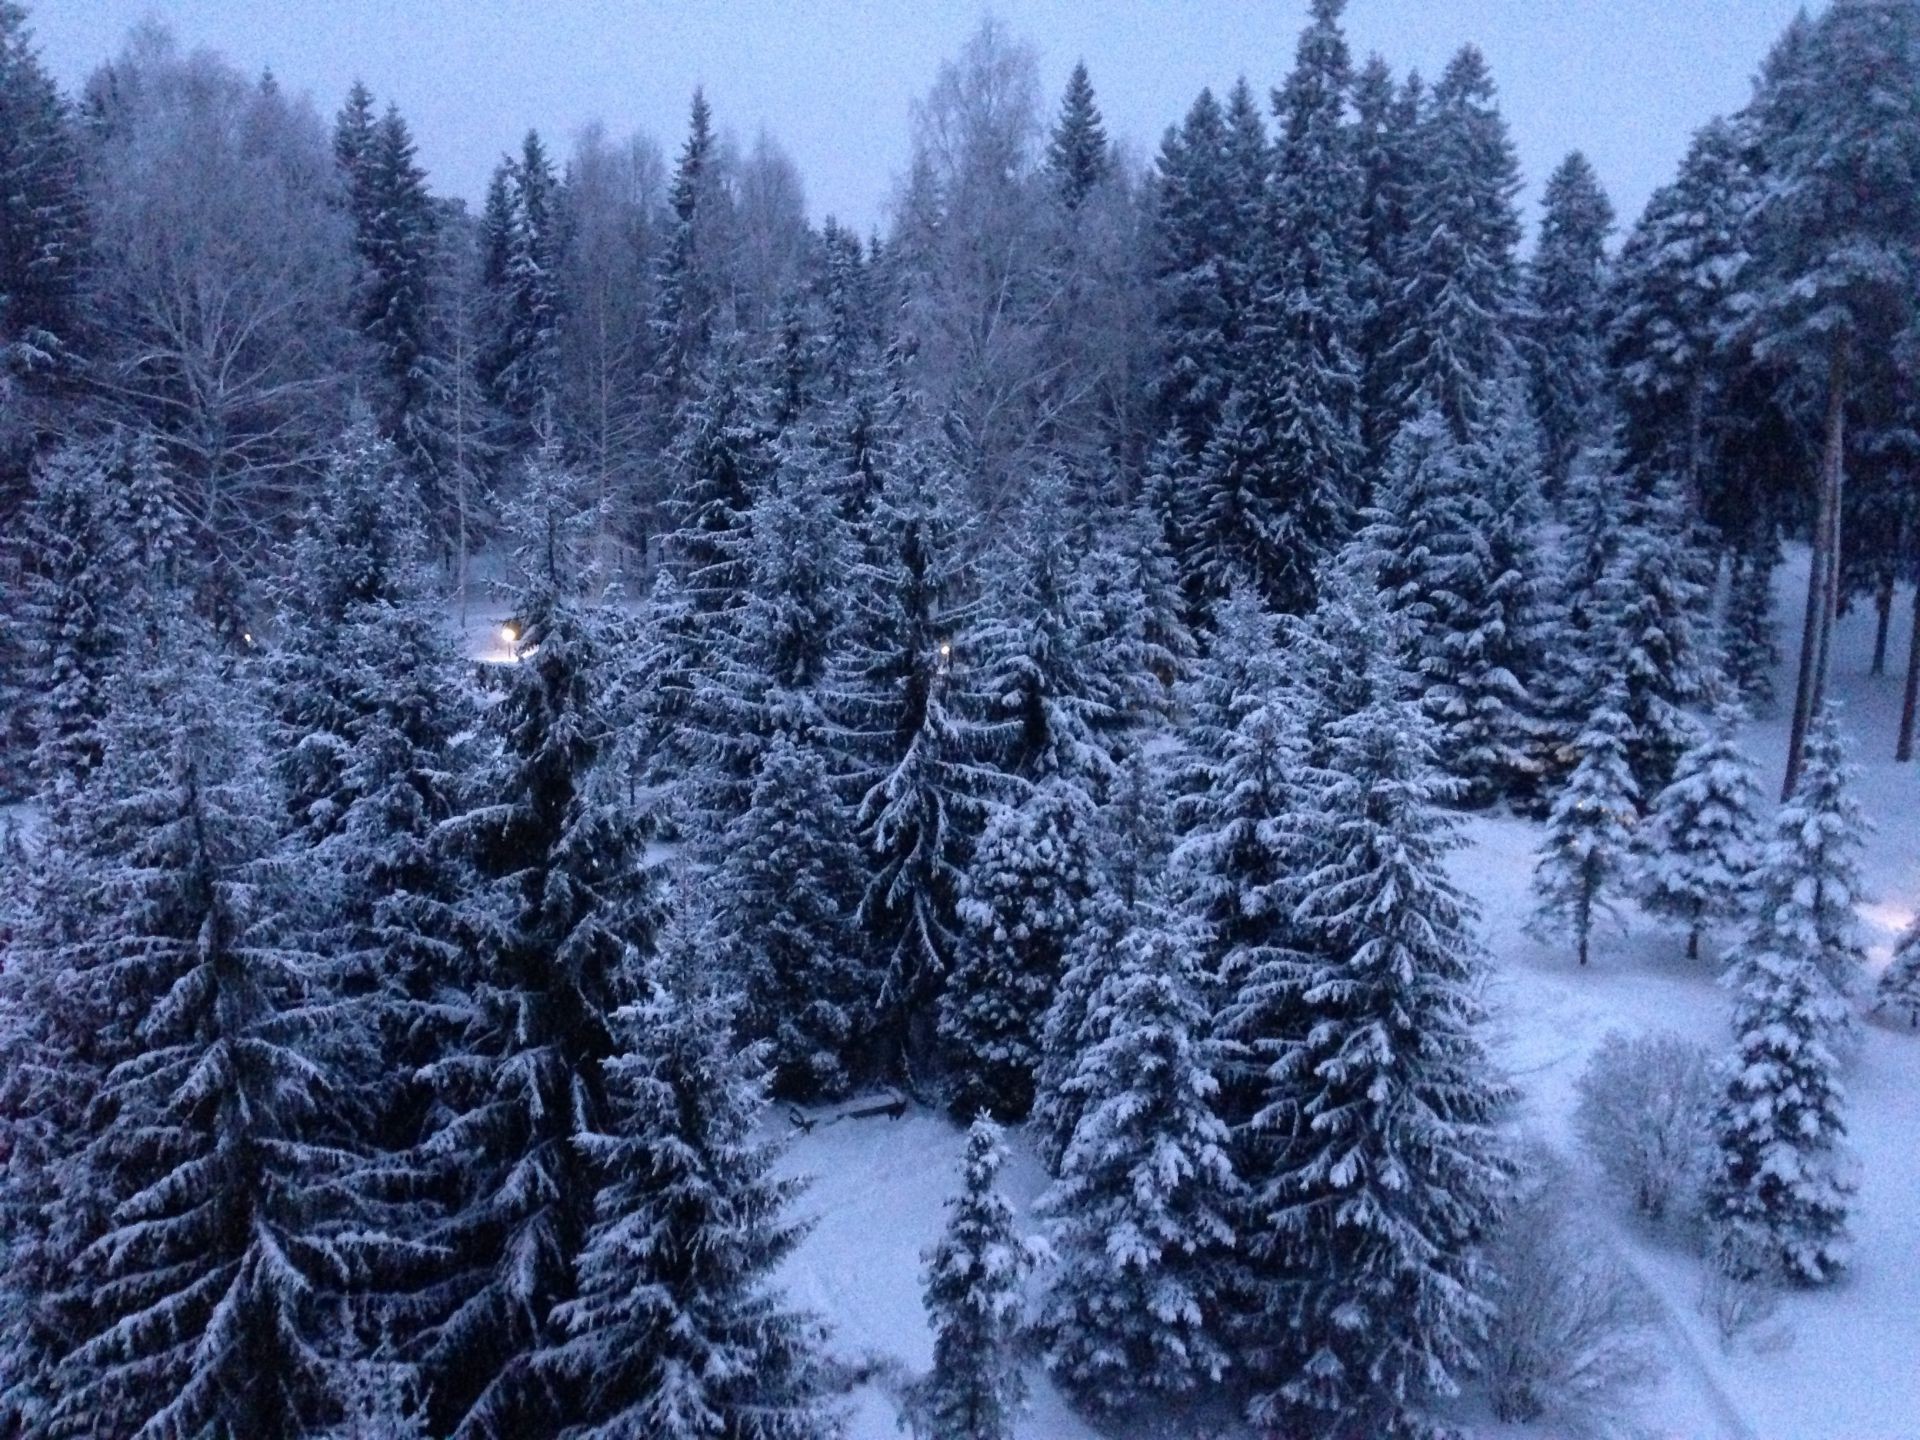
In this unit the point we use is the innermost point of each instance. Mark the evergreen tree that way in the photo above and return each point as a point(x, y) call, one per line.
point(1024, 902)
point(677, 1329)
point(788, 881)
point(1374, 1163)
point(1050, 681)
point(1385, 131)
point(1195, 231)
point(1646, 627)
point(44, 225)
point(1141, 1213)
point(687, 303)
point(1749, 652)
point(1778, 1192)
point(78, 552)
point(564, 905)
point(904, 697)
point(1702, 836)
point(206, 1151)
point(1808, 889)
point(973, 1279)
point(521, 236)
point(1584, 862)
point(1458, 283)
point(1899, 986)
point(1567, 292)
point(1306, 323)
point(396, 238)
point(1676, 277)
point(1078, 158)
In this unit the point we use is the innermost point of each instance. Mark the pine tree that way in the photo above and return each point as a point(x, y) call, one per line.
point(565, 903)
point(788, 878)
point(521, 237)
point(1749, 652)
point(1646, 628)
point(905, 700)
point(1078, 157)
point(1701, 840)
point(1385, 129)
point(208, 1148)
point(677, 1329)
point(1809, 888)
point(44, 223)
point(1778, 1193)
point(1141, 1212)
point(1899, 986)
point(687, 305)
point(1305, 321)
point(1373, 1160)
point(78, 580)
point(973, 1278)
point(1195, 229)
point(1676, 277)
point(1128, 853)
point(1584, 862)
point(1458, 283)
point(396, 237)
point(1024, 902)
point(1566, 297)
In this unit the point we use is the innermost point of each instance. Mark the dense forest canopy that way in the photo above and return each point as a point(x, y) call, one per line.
point(1033, 656)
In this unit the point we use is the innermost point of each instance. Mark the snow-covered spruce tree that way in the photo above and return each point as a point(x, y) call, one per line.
point(1462, 577)
point(207, 1147)
point(1239, 669)
point(1458, 284)
point(564, 903)
point(1300, 496)
point(1749, 653)
point(1375, 1167)
point(973, 1277)
point(1899, 987)
point(521, 364)
point(1024, 902)
point(1566, 322)
point(1646, 628)
point(1128, 853)
point(1701, 840)
point(1585, 861)
point(1141, 1214)
point(1482, 691)
point(1778, 1189)
point(1808, 888)
point(1030, 878)
point(785, 887)
point(904, 699)
point(76, 554)
point(677, 1329)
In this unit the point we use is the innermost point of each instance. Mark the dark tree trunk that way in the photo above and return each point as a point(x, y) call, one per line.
point(1883, 616)
point(1822, 577)
point(1903, 750)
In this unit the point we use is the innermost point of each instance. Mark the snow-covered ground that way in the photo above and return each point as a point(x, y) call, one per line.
point(1838, 1364)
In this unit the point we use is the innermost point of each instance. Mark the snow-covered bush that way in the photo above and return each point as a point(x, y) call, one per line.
point(1645, 1103)
point(1571, 1341)
point(1738, 1290)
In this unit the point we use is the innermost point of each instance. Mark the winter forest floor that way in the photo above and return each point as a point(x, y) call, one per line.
point(1839, 1364)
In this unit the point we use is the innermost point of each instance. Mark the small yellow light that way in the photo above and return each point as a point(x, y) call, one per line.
point(246, 636)
point(508, 634)
point(946, 649)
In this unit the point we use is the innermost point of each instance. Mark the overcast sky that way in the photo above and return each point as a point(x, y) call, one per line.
point(1625, 80)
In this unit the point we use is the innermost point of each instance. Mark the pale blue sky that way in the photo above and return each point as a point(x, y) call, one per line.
point(1625, 80)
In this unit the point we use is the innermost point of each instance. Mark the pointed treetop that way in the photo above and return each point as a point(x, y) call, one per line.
point(1078, 157)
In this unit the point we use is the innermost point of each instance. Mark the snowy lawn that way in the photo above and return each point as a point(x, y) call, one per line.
point(1840, 1364)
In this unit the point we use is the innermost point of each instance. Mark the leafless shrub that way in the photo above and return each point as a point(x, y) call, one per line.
point(1572, 1340)
point(1644, 1105)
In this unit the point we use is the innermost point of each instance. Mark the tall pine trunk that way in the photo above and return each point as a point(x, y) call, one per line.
point(1822, 577)
point(1883, 621)
point(1903, 750)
